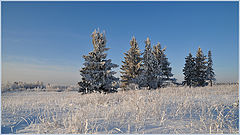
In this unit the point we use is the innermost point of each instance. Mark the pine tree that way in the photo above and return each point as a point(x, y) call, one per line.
point(210, 72)
point(131, 65)
point(189, 71)
point(97, 75)
point(151, 74)
point(163, 61)
point(200, 68)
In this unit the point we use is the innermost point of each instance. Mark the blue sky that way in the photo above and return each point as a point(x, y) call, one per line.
point(46, 40)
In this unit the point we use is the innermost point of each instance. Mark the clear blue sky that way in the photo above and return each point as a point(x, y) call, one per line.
point(46, 40)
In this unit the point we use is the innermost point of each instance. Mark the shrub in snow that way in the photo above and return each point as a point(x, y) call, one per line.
point(73, 88)
point(132, 86)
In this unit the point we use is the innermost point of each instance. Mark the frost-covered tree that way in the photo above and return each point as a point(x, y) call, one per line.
point(97, 75)
point(163, 62)
point(158, 52)
point(166, 69)
point(151, 74)
point(189, 71)
point(210, 73)
point(200, 68)
point(132, 64)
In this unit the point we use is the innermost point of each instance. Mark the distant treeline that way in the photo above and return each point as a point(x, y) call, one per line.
point(40, 86)
point(226, 83)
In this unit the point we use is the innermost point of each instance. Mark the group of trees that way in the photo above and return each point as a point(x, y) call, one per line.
point(148, 69)
point(197, 71)
point(151, 70)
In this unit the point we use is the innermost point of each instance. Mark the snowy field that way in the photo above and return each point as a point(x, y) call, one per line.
point(178, 110)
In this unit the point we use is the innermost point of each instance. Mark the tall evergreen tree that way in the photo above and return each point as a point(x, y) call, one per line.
point(189, 71)
point(151, 74)
point(167, 70)
point(210, 72)
point(163, 61)
point(200, 68)
point(97, 75)
point(132, 64)
point(158, 53)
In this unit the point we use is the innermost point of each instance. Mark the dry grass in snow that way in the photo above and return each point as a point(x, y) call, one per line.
point(178, 110)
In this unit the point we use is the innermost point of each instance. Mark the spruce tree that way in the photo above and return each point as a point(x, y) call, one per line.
point(210, 72)
point(200, 68)
point(158, 53)
point(189, 71)
point(163, 61)
point(150, 74)
point(132, 64)
point(97, 75)
point(167, 70)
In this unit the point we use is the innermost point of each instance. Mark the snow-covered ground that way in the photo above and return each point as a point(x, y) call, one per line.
point(167, 110)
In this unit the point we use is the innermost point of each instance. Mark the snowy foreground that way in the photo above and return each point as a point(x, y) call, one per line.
point(168, 110)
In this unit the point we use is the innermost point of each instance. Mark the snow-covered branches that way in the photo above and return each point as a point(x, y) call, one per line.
point(97, 75)
point(152, 70)
point(197, 71)
point(189, 71)
point(132, 64)
point(151, 73)
point(210, 73)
